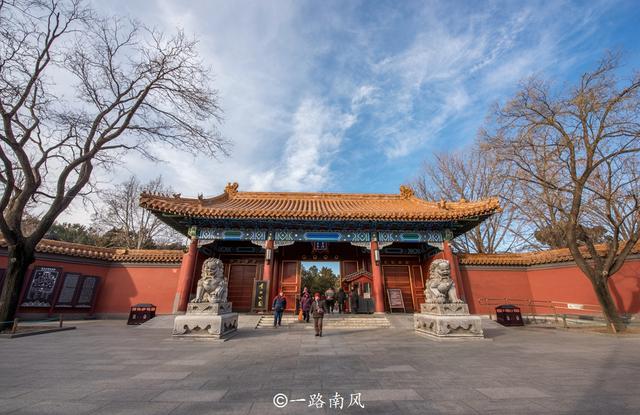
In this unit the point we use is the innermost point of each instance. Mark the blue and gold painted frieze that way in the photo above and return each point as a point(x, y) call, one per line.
point(303, 235)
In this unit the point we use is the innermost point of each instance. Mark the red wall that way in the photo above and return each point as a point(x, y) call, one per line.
point(556, 282)
point(126, 285)
point(493, 283)
point(121, 285)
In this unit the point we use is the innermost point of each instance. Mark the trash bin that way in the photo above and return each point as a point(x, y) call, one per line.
point(509, 315)
point(140, 313)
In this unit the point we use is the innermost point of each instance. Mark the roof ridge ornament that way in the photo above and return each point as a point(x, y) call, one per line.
point(406, 191)
point(231, 189)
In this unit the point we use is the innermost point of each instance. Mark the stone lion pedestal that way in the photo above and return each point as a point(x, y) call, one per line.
point(208, 315)
point(444, 315)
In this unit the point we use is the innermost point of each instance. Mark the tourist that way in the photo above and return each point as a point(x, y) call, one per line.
point(355, 300)
point(279, 305)
point(305, 305)
point(329, 299)
point(341, 298)
point(318, 308)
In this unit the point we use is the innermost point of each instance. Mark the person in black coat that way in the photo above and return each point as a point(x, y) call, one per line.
point(341, 299)
point(279, 305)
point(354, 299)
point(318, 309)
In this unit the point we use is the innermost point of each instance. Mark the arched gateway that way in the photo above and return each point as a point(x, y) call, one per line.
point(261, 237)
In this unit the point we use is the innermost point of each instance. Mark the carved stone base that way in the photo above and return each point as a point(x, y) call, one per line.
point(209, 308)
point(205, 325)
point(448, 326)
point(445, 309)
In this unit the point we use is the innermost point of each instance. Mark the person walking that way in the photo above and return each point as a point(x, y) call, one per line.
point(305, 305)
point(341, 298)
point(355, 300)
point(278, 306)
point(330, 299)
point(318, 309)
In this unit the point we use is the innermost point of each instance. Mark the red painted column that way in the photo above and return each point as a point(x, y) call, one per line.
point(267, 271)
point(455, 270)
point(187, 269)
point(376, 273)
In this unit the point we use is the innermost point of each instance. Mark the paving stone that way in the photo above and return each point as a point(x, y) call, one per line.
point(162, 375)
point(213, 408)
point(296, 408)
point(10, 405)
point(589, 402)
point(130, 362)
point(512, 393)
point(59, 392)
point(106, 367)
point(259, 395)
point(128, 394)
point(518, 406)
point(137, 408)
point(12, 392)
point(190, 396)
point(435, 407)
point(459, 394)
point(395, 368)
point(369, 395)
point(184, 362)
point(60, 407)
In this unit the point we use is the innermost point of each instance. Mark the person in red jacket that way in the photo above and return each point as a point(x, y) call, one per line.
point(305, 305)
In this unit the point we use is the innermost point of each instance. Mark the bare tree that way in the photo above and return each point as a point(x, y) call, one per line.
point(133, 88)
point(121, 211)
point(579, 150)
point(473, 175)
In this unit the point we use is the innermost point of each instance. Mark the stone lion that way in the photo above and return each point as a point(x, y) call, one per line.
point(212, 287)
point(440, 287)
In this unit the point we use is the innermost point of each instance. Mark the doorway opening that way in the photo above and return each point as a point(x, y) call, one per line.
point(319, 276)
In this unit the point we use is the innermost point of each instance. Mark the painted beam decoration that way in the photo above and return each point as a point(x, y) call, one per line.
point(415, 236)
point(213, 234)
point(294, 235)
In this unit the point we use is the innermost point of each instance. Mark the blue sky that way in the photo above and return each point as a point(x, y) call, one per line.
point(354, 96)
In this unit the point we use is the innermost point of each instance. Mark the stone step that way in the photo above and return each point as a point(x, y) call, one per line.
point(363, 321)
point(347, 322)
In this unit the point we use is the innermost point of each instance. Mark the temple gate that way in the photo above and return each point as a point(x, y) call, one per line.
point(388, 239)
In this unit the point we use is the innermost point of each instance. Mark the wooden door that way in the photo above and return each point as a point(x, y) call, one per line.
point(289, 282)
point(418, 286)
point(398, 276)
point(241, 277)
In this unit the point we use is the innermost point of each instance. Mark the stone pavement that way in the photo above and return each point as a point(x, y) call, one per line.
point(105, 367)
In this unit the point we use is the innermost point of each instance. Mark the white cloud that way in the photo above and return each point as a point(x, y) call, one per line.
point(365, 95)
point(318, 131)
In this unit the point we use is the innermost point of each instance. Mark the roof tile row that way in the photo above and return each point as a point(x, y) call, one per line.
point(317, 206)
point(107, 254)
point(526, 258)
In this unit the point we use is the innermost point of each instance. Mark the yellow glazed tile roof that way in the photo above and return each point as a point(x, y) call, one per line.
point(317, 206)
